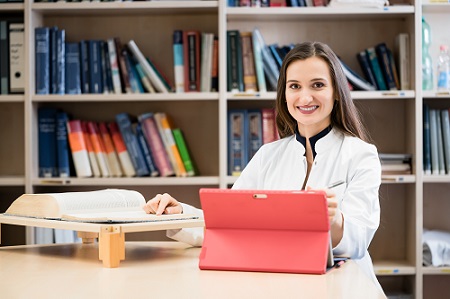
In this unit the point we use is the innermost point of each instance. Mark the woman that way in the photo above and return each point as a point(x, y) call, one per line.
point(322, 141)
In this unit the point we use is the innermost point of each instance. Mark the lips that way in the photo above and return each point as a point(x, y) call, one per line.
point(307, 109)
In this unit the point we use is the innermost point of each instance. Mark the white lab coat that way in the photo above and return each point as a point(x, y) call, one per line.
point(282, 165)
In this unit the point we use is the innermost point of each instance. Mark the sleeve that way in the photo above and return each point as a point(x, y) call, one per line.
point(192, 236)
point(360, 205)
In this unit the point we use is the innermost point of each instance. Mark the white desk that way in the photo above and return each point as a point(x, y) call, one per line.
point(159, 270)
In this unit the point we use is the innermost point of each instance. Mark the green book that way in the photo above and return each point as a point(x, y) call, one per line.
point(184, 153)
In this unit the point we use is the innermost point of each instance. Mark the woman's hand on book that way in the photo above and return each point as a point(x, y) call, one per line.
point(163, 204)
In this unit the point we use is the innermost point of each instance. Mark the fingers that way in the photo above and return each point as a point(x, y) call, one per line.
point(163, 204)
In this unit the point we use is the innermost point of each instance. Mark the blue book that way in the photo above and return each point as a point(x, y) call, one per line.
point(106, 67)
point(72, 69)
point(94, 67)
point(237, 141)
point(42, 52)
point(132, 144)
point(53, 62)
point(146, 151)
point(133, 76)
point(364, 63)
point(178, 60)
point(4, 57)
point(426, 141)
point(60, 62)
point(276, 55)
point(84, 67)
point(47, 142)
point(254, 131)
point(386, 67)
point(62, 144)
point(235, 73)
point(375, 65)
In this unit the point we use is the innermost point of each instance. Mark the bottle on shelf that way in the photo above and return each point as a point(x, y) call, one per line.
point(427, 67)
point(443, 69)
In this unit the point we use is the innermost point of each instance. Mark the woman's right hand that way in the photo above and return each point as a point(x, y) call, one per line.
point(163, 204)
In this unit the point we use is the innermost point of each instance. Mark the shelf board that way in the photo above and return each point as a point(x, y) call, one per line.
point(432, 94)
point(400, 179)
point(12, 7)
point(302, 13)
point(126, 7)
point(6, 181)
point(356, 95)
point(11, 98)
point(436, 178)
point(435, 7)
point(389, 268)
point(139, 97)
point(143, 181)
point(436, 270)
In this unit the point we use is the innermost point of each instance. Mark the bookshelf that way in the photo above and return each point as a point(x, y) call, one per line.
point(409, 203)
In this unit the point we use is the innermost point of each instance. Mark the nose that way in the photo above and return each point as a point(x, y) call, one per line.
point(305, 97)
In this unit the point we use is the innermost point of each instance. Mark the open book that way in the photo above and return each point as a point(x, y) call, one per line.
point(102, 206)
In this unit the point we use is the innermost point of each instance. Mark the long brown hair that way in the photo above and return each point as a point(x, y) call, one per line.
point(345, 116)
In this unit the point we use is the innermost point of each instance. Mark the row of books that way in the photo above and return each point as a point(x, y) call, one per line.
point(12, 55)
point(436, 141)
point(276, 3)
point(380, 68)
point(149, 146)
point(252, 65)
point(196, 61)
point(248, 130)
point(93, 66)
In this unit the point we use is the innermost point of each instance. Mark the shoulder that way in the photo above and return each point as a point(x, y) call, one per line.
point(281, 145)
point(360, 151)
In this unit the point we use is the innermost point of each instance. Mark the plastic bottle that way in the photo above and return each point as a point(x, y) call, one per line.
point(427, 66)
point(443, 69)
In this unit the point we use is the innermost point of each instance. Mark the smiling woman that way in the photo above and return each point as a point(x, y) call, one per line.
point(322, 141)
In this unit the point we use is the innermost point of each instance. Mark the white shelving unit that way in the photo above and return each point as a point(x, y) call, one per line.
point(409, 203)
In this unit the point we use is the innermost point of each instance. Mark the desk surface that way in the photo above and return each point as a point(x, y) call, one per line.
point(159, 270)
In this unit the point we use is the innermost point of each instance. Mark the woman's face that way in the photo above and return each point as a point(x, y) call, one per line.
point(309, 95)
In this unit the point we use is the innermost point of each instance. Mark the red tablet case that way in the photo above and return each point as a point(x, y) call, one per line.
point(268, 231)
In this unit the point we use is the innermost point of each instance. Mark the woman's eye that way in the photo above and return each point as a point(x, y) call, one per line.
point(294, 86)
point(318, 85)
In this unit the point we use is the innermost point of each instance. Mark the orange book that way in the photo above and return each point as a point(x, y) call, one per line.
point(121, 150)
point(99, 148)
point(78, 149)
point(111, 154)
point(92, 159)
point(165, 130)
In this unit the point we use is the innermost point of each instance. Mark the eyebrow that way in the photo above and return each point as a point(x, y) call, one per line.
point(312, 80)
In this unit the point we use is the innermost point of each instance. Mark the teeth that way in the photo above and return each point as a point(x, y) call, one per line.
point(308, 109)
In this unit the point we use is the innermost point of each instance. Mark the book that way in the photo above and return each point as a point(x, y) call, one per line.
point(235, 79)
point(78, 149)
point(146, 151)
point(94, 67)
point(364, 63)
point(403, 56)
point(101, 206)
point(376, 68)
point(269, 128)
point(90, 149)
point(270, 68)
point(207, 45)
point(62, 144)
point(215, 66)
point(124, 79)
point(434, 142)
point(114, 66)
point(248, 62)
point(60, 83)
point(445, 121)
point(259, 70)
point(382, 52)
point(255, 135)
point(84, 67)
point(72, 68)
point(111, 155)
point(121, 150)
point(184, 152)
point(131, 142)
point(426, 141)
point(16, 58)
point(165, 130)
point(237, 141)
point(357, 81)
point(47, 142)
point(4, 57)
point(440, 144)
point(99, 148)
point(155, 143)
point(149, 71)
point(53, 62)
point(191, 51)
point(42, 60)
point(178, 60)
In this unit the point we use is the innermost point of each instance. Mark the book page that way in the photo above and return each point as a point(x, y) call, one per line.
point(101, 200)
point(123, 216)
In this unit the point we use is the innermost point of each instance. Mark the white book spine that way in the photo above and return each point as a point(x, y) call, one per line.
point(81, 161)
point(156, 81)
point(114, 165)
point(16, 57)
point(127, 166)
point(114, 66)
